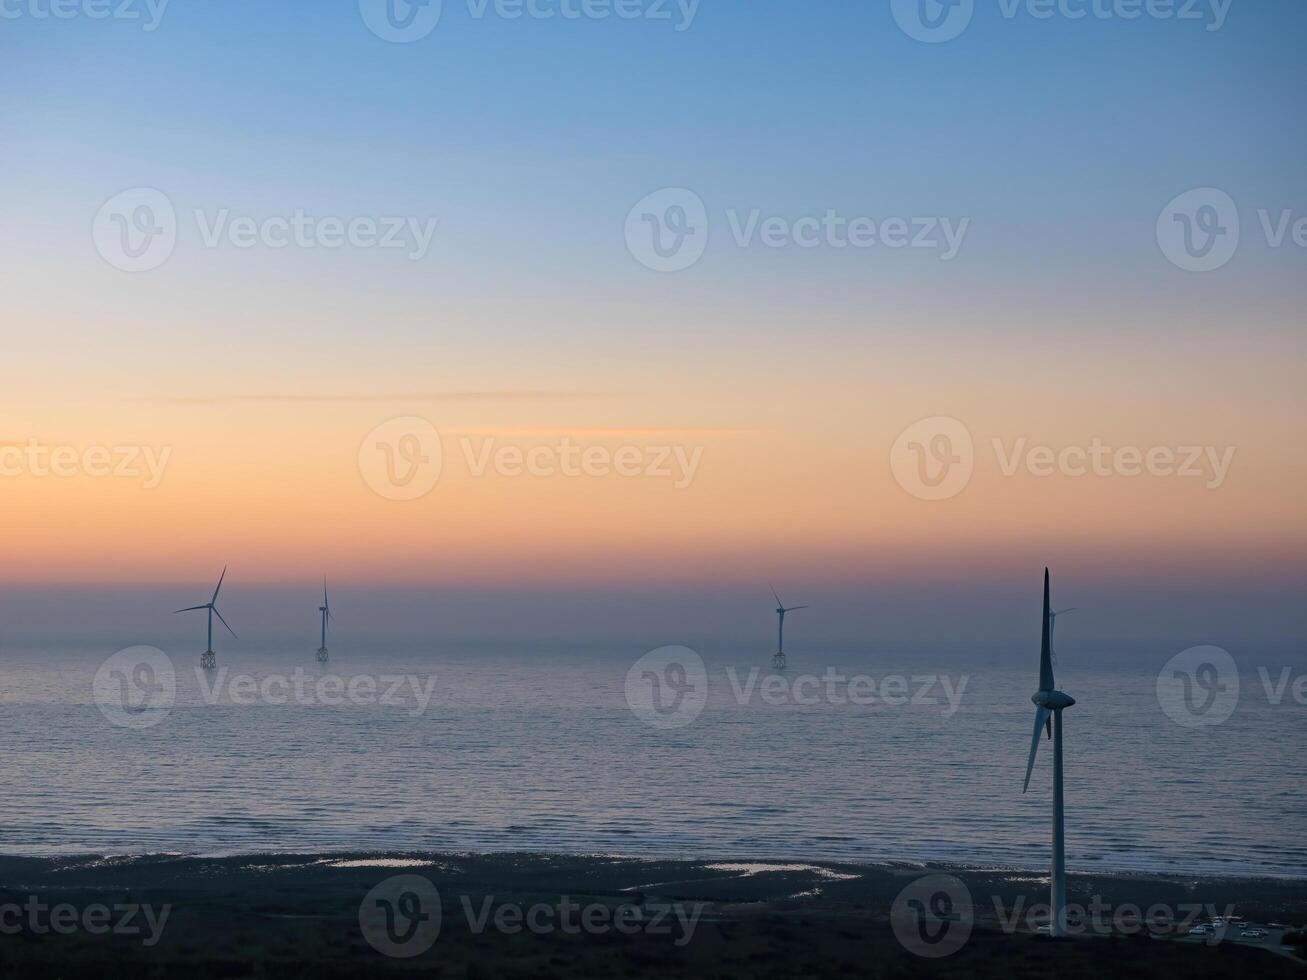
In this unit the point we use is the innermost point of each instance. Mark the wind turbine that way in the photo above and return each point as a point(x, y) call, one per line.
point(778, 658)
point(325, 609)
point(208, 659)
point(1052, 625)
point(1049, 704)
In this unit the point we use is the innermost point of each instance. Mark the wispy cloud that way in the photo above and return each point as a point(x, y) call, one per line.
point(426, 396)
point(609, 432)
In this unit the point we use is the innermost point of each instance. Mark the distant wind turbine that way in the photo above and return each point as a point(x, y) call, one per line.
point(208, 659)
point(778, 658)
point(325, 609)
point(1049, 704)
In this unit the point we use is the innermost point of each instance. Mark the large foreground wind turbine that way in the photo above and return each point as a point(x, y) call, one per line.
point(1049, 704)
point(325, 610)
point(778, 658)
point(208, 659)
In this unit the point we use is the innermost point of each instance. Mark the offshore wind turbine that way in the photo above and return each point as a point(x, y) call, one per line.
point(208, 659)
point(778, 658)
point(1049, 705)
point(325, 610)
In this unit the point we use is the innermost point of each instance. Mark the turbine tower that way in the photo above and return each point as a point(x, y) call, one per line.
point(778, 658)
point(208, 659)
point(325, 610)
point(1049, 704)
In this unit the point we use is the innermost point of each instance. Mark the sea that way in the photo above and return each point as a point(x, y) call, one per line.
point(850, 756)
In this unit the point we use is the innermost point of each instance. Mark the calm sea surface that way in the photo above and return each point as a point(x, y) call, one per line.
point(529, 750)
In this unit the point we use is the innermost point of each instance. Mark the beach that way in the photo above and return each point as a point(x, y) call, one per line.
point(533, 915)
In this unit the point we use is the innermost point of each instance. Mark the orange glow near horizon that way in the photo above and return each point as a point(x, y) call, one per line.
point(798, 478)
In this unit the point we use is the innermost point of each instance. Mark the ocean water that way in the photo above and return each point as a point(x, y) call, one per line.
point(539, 750)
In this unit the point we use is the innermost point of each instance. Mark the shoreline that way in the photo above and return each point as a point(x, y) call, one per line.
point(745, 918)
point(985, 868)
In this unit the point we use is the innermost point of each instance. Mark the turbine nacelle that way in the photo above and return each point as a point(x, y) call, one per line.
point(1052, 700)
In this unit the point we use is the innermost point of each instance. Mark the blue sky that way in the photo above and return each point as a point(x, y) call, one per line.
point(1059, 140)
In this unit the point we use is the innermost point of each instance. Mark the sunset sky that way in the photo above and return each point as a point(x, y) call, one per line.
point(787, 372)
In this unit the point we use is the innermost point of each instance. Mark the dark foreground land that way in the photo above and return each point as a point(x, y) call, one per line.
point(549, 916)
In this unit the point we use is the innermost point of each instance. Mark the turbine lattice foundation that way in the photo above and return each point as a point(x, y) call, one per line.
point(208, 660)
point(322, 655)
point(778, 660)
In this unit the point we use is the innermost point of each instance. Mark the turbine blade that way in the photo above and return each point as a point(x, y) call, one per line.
point(1042, 714)
point(191, 608)
point(224, 622)
point(220, 578)
point(779, 604)
point(792, 608)
point(1046, 648)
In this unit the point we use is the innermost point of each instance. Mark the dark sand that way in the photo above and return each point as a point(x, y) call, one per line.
point(294, 916)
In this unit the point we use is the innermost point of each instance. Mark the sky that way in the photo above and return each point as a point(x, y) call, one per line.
point(412, 421)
